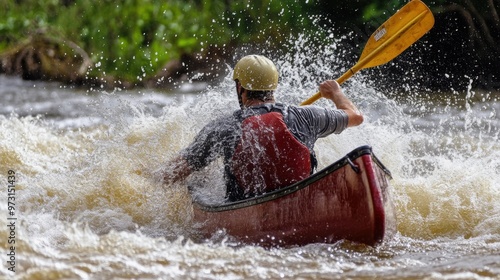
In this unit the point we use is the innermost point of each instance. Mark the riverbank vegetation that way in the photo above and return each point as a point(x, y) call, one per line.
point(154, 43)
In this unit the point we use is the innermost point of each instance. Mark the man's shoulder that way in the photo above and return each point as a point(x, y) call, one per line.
point(309, 109)
point(313, 112)
point(222, 122)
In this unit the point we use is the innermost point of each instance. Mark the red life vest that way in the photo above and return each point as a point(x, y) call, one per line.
point(268, 156)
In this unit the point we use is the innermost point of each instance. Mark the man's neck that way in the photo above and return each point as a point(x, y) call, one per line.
point(256, 102)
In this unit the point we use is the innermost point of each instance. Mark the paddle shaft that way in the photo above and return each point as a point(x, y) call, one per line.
point(340, 80)
point(363, 61)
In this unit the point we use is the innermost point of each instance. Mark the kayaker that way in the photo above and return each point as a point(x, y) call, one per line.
point(265, 145)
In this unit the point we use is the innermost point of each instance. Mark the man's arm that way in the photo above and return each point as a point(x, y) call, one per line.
point(175, 170)
point(331, 90)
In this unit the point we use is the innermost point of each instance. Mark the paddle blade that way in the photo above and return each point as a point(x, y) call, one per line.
point(399, 32)
point(395, 35)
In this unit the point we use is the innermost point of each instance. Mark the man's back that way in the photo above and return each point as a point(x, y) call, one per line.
point(268, 156)
point(221, 137)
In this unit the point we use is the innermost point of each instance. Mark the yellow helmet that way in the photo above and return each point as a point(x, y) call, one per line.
point(256, 73)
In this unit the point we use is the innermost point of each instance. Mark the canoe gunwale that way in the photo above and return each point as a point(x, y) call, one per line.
point(346, 160)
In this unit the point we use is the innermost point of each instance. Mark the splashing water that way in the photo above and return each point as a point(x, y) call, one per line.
point(87, 205)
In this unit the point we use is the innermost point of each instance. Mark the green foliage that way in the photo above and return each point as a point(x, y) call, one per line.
point(258, 21)
point(378, 10)
point(132, 39)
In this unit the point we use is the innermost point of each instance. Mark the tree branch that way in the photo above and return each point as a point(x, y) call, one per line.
point(471, 27)
point(482, 23)
point(494, 13)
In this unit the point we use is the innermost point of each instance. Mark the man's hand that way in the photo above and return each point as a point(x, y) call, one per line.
point(330, 89)
point(173, 171)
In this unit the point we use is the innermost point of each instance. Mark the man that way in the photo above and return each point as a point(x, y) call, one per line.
point(265, 145)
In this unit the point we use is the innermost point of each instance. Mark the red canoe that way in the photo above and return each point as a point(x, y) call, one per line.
point(350, 199)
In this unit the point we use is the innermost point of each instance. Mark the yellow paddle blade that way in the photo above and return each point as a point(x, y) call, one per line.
point(394, 36)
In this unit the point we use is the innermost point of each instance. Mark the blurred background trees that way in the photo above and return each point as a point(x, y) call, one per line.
point(135, 39)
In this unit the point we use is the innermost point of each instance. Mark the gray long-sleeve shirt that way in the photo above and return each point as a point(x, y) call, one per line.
point(220, 137)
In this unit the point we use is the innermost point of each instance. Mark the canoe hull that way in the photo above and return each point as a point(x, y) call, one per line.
point(349, 200)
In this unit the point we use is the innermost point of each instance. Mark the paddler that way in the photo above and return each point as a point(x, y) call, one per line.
point(265, 145)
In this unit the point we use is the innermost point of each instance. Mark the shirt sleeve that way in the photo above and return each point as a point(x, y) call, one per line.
point(329, 121)
point(308, 123)
point(210, 143)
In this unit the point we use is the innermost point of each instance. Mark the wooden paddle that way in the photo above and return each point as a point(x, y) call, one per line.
point(394, 36)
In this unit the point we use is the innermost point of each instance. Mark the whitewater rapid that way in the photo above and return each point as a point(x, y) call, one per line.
point(86, 206)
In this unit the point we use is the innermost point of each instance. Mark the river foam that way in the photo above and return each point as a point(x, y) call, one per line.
point(87, 202)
